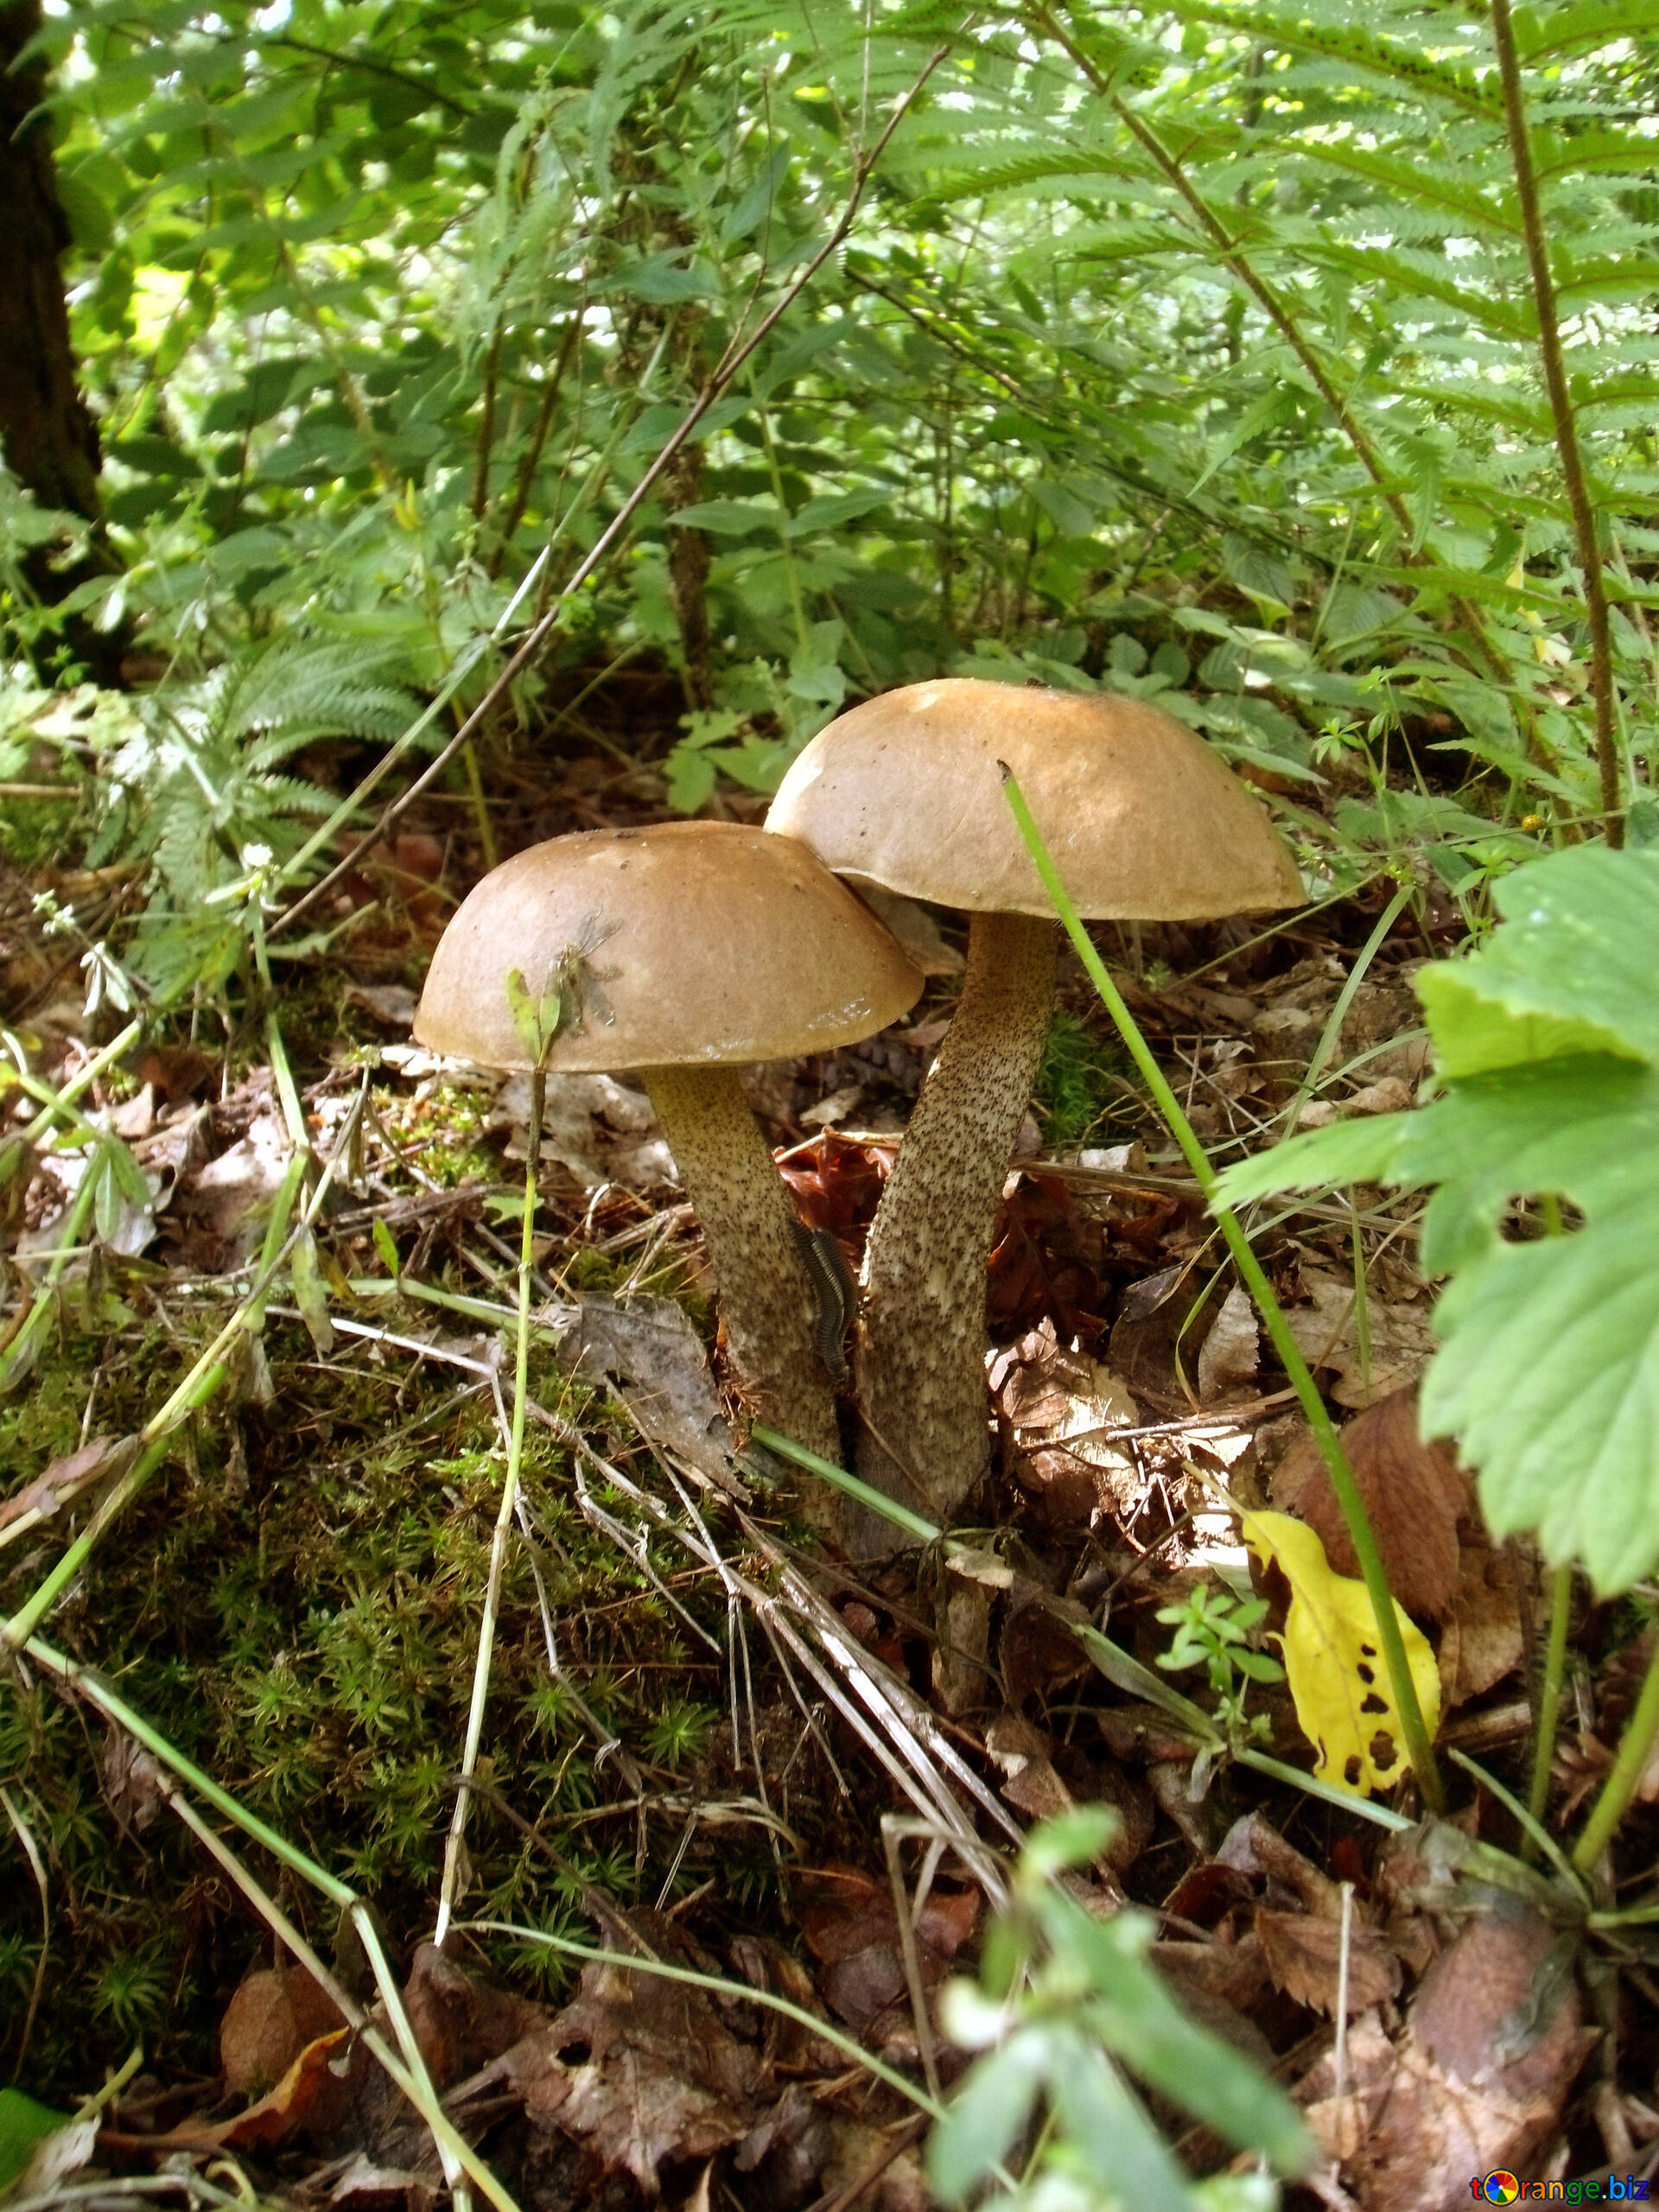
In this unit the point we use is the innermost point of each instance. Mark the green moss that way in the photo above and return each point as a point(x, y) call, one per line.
point(295, 1604)
point(1079, 1079)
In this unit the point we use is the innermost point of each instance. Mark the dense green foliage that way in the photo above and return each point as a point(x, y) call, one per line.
point(1192, 353)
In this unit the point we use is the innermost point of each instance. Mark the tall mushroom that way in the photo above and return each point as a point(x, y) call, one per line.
point(1144, 823)
point(679, 953)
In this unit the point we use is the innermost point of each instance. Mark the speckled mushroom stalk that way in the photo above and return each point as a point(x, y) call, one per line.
point(678, 953)
point(749, 1221)
point(903, 791)
point(918, 1356)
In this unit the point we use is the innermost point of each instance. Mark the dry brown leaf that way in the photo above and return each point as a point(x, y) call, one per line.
point(1062, 1409)
point(1232, 1349)
point(1304, 1956)
point(642, 2074)
point(1482, 1640)
point(1233, 1973)
point(1479, 2080)
point(71, 1478)
point(460, 2022)
point(1415, 1494)
point(274, 2013)
point(1254, 1845)
point(1325, 1332)
point(650, 1351)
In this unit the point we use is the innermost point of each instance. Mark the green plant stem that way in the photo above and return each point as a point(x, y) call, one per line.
point(475, 1711)
point(484, 826)
point(913, 1524)
point(1564, 419)
point(1620, 1786)
point(14, 1360)
point(1549, 1695)
point(16, 1148)
point(1419, 1749)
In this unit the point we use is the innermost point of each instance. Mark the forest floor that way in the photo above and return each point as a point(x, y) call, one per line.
point(695, 1729)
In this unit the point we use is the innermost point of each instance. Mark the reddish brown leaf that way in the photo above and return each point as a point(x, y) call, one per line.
point(1415, 1494)
point(1482, 1640)
point(1478, 2082)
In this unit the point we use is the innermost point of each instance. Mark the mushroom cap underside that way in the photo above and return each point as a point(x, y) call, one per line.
point(683, 944)
point(1143, 820)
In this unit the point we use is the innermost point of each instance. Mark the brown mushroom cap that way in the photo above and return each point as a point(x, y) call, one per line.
point(704, 941)
point(1143, 820)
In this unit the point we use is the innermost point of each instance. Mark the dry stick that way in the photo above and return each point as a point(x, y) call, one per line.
point(737, 352)
point(1417, 1746)
point(538, 436)
point(1566, 422)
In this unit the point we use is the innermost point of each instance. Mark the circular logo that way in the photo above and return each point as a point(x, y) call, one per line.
point(1500, 2188)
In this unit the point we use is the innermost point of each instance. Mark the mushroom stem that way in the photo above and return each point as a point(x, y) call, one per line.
point(765, 1292)
point(919, 1361)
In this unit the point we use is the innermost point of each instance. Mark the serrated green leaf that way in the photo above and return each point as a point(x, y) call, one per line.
point(1580, 945)
point(691, 778)
point(837, 507)
point(730, 518)
point(1474, 1036)
point(1548, 1377)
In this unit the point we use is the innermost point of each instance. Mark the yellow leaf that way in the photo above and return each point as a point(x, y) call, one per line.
point(1334, 1661)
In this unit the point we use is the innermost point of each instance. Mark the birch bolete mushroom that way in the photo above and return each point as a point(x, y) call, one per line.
point(1145, 823)
point(679, 953)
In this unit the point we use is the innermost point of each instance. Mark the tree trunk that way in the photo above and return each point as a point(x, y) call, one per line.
point(48, 436)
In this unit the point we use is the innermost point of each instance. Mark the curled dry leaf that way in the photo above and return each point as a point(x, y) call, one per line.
point(1483, 1640)
point(851, 1926)
point(653, 1357)
point(1061, 1408)
point(1232, 1350)
point(66, 1479)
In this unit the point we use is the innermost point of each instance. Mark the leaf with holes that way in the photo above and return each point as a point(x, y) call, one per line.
point(1331, 1645)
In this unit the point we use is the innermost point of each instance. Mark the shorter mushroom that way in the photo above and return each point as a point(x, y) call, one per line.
point(905, 792)
point(679, 953)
